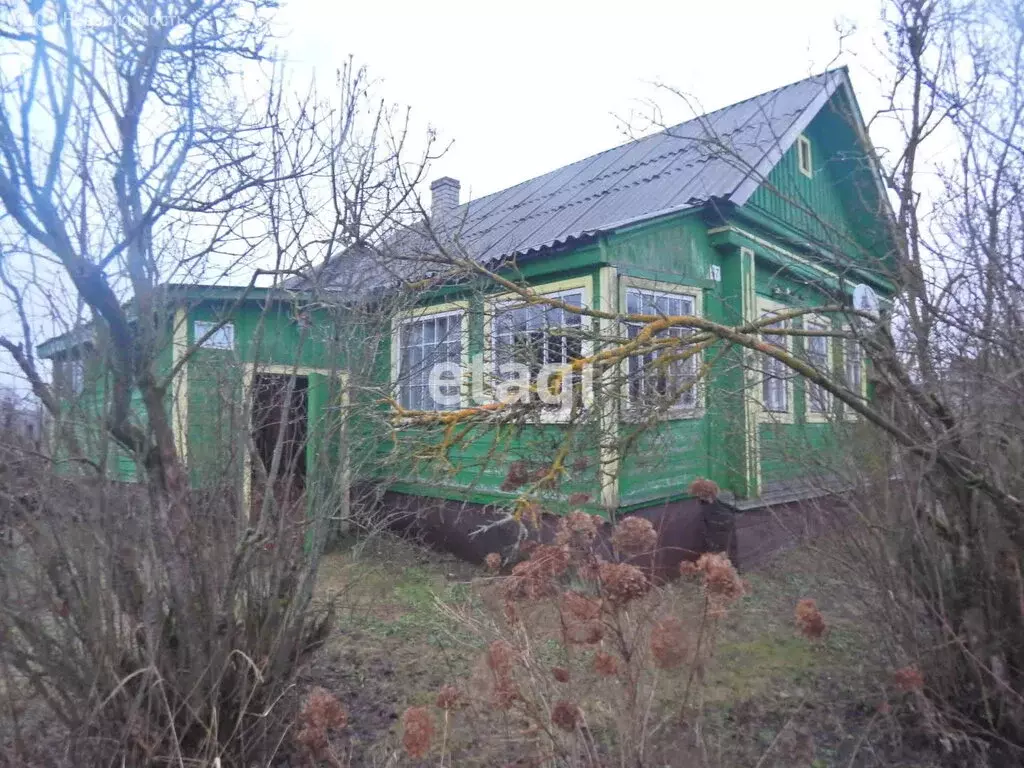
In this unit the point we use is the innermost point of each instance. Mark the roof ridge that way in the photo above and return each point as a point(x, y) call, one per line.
point(603, 174)
point(533, 214)
point(664, 131)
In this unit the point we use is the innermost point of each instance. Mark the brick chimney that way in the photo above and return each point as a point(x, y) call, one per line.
point(444, 199)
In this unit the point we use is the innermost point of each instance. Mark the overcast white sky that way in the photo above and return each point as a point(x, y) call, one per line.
point(524, 88)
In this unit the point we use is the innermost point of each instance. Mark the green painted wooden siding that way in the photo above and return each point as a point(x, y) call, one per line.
point(267, 336)
point(477, 466)
point(660, 462)
point(838, 206)
point(86, 413)
point(802, 448)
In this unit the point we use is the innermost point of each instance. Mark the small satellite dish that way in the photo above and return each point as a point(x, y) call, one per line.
point(865, 299)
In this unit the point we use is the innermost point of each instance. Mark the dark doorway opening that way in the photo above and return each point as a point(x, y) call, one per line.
point(274, 424)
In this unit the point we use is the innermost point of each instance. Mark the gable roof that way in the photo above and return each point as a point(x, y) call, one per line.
point(722, 154)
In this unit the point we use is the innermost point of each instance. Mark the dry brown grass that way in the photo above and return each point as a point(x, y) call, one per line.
point(416, 623)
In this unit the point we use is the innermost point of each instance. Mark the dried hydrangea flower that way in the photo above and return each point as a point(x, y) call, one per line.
point(634, 535)
point(704, 489)
point(417, 731)
point(518, 475)
point(605, 664)
point(669, 643)
point(622, 583)
point(535, 578)
point(579, 606)
point(500, 657)
point(566, 715)
point(809, 620)
point(721, 581)
point(577, 530)
point(720, 577)
point(447, 698)
point(320, 712)
point(322, 708)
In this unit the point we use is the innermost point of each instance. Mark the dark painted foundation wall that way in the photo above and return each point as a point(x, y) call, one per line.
point(686, 529)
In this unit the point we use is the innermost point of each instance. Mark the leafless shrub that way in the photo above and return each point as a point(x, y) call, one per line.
point(163, 621)
point(617, 638)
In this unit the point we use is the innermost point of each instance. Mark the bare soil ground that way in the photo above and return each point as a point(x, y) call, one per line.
point(769, 696)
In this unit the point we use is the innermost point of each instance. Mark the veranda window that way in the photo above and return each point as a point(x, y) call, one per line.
point(658, 378)
point(537, 335)
point(853, 370)
point(854, 364)
point(817, 351)
point(76, 376)
point(775, 382)
point(426, 344)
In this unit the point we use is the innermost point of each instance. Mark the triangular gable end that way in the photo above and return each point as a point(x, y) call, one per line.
point(838, 205)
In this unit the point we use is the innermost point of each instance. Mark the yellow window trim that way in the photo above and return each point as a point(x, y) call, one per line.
point(421, 313)
point(660, 286)
point(608, 404)
point(179, 400)
point(767, 307)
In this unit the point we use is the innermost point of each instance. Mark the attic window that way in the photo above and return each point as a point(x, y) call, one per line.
point(803, 155)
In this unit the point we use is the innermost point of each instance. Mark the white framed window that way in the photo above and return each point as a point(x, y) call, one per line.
point(652, 381)
point(428, 364)
point(853, 371)
point(538, 336)
point(222, 338)
point(818, 351)
point(776, 377)
point(804, 158)
point(76, 376)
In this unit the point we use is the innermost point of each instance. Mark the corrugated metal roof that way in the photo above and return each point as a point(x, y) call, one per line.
point(682, 166)
point(722, 154)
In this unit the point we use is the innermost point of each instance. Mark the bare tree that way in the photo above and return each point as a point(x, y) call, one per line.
point(158, 621)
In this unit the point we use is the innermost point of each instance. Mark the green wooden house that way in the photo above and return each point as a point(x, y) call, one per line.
point(770, 203)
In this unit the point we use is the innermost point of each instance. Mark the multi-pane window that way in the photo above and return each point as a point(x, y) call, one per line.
point(775, 381)
point(817, 350)
point(537, 335)
point(221, 338)
point(854, 361)
point(659, 377)
point(430, 346)
point(76, 376)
